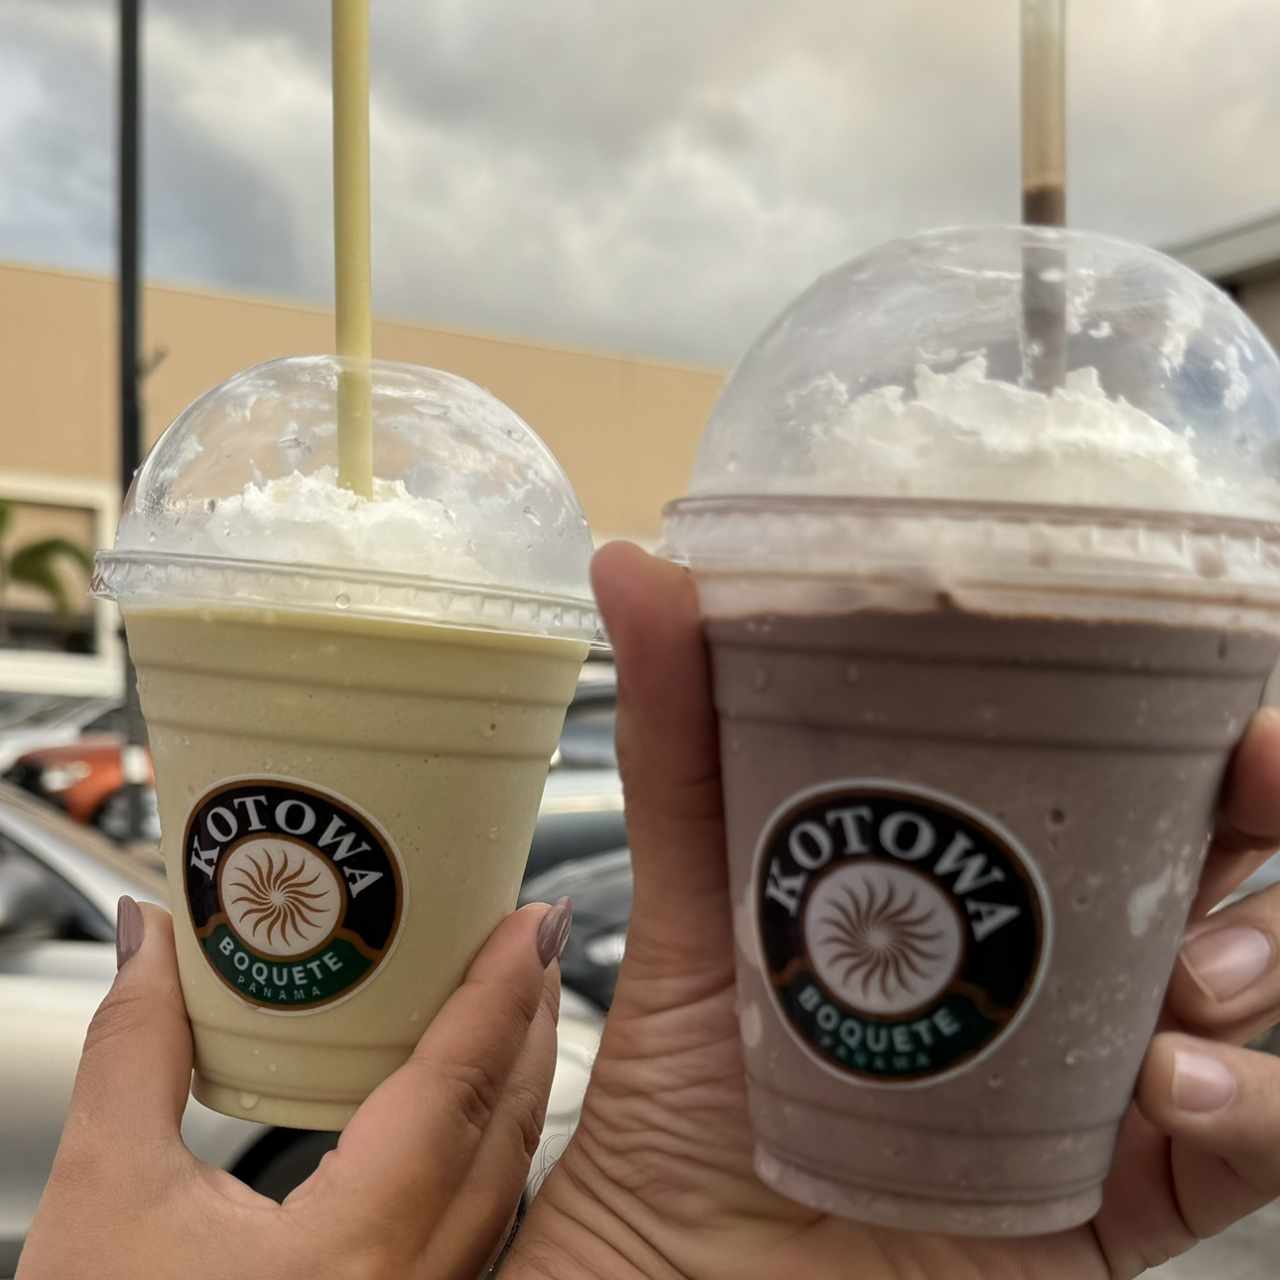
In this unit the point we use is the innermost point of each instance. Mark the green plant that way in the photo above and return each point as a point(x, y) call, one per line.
point(36, 564)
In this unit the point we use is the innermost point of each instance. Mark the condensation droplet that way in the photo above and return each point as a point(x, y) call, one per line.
point(415, 1016)
point(995, 1081)
point(272, 1067)
point(249, 1100)
point(1057, 819)
point(342, 600)
point(1210, 562)
point(493, 833)
point(851, 673)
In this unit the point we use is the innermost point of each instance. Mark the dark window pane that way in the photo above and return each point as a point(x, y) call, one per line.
point(587, 741)
point(111, 721)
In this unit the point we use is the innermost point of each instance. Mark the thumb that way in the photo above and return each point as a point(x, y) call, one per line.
point(1219, 1104)
point(668, 753)
point(135, 1071)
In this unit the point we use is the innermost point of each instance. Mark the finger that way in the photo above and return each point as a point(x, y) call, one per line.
point(480, 1221)
point(669, 757)
point(135, 1072)
point(1248, 829)
point(1220, 1105)
point(410, 1146)
point(1227, 979)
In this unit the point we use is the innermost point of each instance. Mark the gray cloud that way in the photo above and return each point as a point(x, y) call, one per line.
point(655, 177)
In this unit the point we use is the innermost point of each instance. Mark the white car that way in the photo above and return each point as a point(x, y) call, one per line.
point(59, 883)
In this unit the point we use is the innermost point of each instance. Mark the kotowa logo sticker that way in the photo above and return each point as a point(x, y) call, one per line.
point(296, 897)
point(903, 933)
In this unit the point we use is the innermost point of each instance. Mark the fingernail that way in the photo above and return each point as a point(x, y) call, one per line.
point(129, 926)
point(1201, 1083)
point(553, 932)
point(1226, 961)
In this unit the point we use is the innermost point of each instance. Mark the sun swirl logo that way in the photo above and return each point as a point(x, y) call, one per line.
point(883, 937)
point(281, 897)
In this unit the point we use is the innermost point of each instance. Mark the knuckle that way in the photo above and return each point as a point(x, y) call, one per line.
point(528, 1112)
point(514, 1003)
point(525, 1000)
point(551, 997)
point(695, 803)
point(472, 1091)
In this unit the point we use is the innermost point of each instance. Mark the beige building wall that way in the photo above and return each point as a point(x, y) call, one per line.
point(624, 429)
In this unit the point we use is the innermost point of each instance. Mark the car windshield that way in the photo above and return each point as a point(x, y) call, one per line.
point(83, 839)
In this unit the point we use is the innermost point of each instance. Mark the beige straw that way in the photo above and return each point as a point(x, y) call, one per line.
point(352, 274)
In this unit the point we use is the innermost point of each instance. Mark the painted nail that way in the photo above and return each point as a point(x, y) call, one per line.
point(1201, 1083)
point(129, 926)
point(553, 932)
point(1225, 961)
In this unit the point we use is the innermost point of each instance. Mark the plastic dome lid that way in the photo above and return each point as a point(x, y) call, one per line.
point(472, 521)
point(889, 421)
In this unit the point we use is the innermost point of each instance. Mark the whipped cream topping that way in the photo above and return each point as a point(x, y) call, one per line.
point(309, 520)
point(960, 434)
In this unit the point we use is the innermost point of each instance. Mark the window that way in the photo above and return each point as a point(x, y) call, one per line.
point(55, 639)
point(110, 721)
point(36, 903)
point(587, 741)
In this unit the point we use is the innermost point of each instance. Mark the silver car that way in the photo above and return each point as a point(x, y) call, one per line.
point(59, 883)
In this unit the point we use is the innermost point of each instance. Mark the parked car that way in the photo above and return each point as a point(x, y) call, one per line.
point(59, 883)
point(581, 809)
point(601, 888)
point(86, 780)
point(28, 721)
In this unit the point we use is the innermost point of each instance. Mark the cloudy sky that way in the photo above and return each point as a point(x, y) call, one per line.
point(647, 176)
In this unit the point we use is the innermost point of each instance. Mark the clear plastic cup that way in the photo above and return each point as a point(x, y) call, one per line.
point(980, 655)
point(352, 705)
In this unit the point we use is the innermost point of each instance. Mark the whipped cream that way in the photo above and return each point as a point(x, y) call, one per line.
point(309, 520)
point(963, 435)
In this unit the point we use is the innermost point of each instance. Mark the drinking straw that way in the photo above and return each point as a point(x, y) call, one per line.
point(352, 276)
point(1044, 199)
